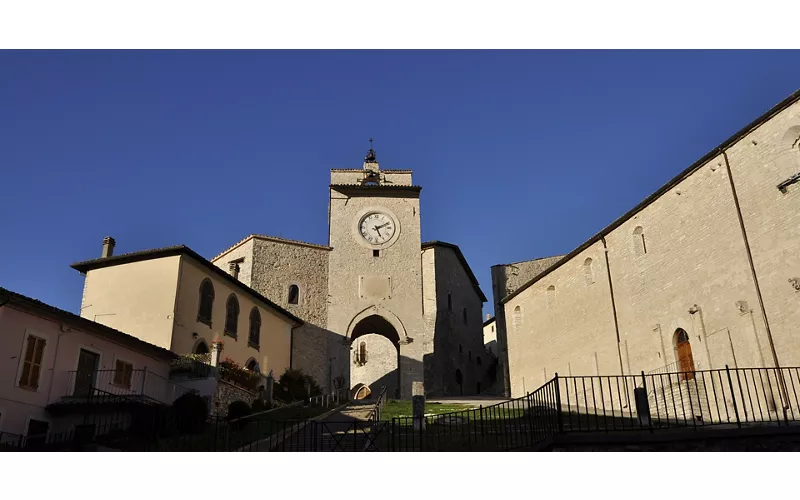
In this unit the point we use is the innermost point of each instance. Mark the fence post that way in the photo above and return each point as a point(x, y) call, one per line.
point(558, 405)
point(733, 397)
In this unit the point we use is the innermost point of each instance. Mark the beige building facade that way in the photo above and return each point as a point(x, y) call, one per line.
point(380, 306)
point(175, 299)
point(708, 262)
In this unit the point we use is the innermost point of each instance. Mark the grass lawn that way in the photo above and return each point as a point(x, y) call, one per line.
point(395, 408)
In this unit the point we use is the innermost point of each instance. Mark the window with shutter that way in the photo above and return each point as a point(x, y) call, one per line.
point(123, 372)
point(32, 363)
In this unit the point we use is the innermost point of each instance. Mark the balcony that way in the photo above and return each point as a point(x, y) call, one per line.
point(111, 388)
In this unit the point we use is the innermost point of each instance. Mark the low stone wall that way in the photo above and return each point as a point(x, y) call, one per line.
point(226, 394)
point(752, 439)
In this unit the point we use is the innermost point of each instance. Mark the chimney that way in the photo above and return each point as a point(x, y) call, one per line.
point(233, 268)
point(108, 247)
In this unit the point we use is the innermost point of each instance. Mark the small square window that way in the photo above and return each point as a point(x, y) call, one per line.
point(376, 253)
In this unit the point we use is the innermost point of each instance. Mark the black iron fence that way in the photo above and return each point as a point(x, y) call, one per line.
point(131, 384)
point(732, 397)
point(510, 425)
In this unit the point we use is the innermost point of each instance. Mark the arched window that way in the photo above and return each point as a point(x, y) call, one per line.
point(469, 355)
point(588, 271)
point(683, 353)
point(464, 315)
point(517, 316)
point(232, 316)
point(551, 296)
point(201, 348)
point(294, 294)
point(449, 302)
point(460, 349)
point(252, 365)
point(639, 245)
point(478, 360)
point(254, 335)
point(206, 302)
point(459, 377)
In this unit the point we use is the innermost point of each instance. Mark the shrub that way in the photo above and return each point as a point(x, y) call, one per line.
point(238, 409)
point(190, 412)
point(260, 405)
point(294, 385)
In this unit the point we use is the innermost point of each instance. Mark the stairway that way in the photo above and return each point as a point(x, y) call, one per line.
point(685, 400)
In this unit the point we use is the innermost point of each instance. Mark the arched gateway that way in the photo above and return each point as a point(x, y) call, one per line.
point(375, 352)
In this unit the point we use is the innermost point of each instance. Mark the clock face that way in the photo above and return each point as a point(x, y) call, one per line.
point(376, 228)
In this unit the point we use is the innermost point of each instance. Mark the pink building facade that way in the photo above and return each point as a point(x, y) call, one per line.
point(53, 359)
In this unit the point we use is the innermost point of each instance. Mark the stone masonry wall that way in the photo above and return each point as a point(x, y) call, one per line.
point(507, 278)
point(691, 273)
point(458, 338)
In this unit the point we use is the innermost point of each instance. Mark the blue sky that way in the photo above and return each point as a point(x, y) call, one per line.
point(521, 154)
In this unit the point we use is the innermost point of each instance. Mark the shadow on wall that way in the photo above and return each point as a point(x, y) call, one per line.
point(322, 354)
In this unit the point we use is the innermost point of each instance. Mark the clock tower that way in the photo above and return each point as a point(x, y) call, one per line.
point(375, 277)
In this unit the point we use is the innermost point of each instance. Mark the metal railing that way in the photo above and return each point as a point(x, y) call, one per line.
point(196, 366)
point(509, 425)
point(134, 384)
point(331, 399)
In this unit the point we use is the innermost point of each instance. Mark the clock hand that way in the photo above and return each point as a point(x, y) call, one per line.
point(377, 228)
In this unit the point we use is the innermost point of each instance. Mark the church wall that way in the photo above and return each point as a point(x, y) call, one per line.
point(567, 329)
point(759, 162)
point(695, 255)
point(137, 298)
point(401, 262)
point(507, 278)
point(692, 273)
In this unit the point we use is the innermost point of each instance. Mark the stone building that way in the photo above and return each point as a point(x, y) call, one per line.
point(703, 273)
point(490, 335)
point(380, 306)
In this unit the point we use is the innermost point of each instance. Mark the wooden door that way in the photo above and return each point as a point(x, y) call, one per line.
point(685, 360)
point(87, 371)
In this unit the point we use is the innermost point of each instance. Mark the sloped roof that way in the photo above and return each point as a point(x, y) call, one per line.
point(462, 260)
point(158, 253)
point(89, 326)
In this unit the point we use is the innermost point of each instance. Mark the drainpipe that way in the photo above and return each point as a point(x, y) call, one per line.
point(755, 282)
point(613, 304)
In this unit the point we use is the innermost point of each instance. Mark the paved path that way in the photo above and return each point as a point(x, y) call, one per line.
point(343, 430)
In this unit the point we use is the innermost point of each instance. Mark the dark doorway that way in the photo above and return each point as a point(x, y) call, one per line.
point(201, 348)
point(460, 382)
point(683, 351)
point(36, 434)
point(87, 372)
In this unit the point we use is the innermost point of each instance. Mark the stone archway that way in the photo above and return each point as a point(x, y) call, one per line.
point(375, 354)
